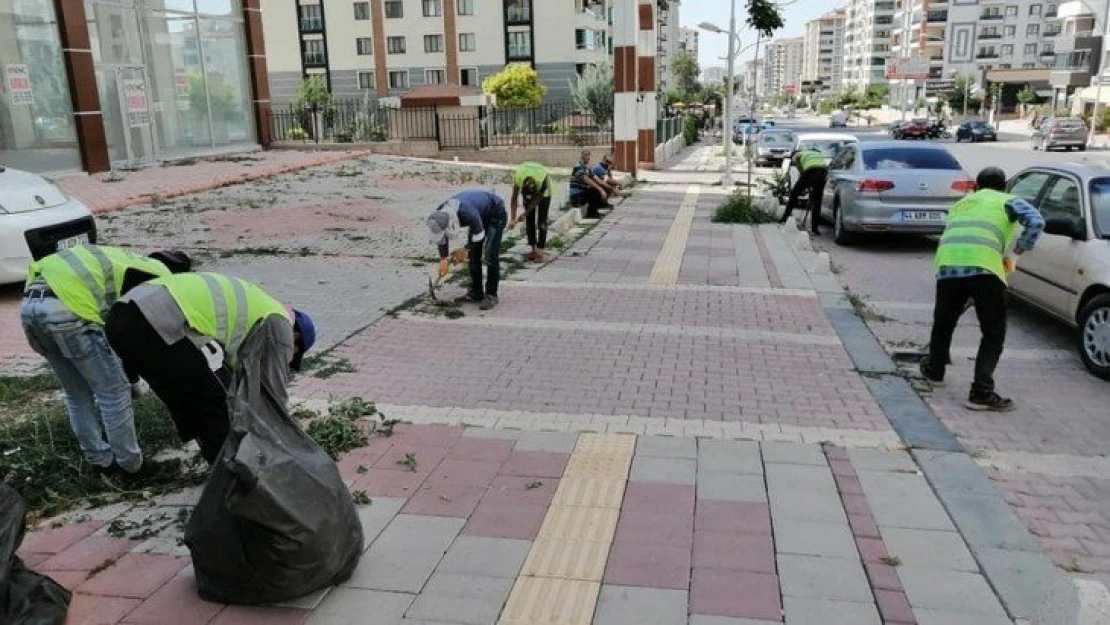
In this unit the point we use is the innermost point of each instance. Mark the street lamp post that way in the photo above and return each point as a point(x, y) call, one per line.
point(727, 126)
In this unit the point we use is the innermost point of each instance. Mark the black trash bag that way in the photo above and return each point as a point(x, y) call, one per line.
point(275, 521)
point(26, 598)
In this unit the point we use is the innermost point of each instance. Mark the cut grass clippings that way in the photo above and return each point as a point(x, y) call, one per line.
point(739, 209)
point(341, 430)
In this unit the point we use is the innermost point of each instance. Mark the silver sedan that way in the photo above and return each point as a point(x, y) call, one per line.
point(891, 186)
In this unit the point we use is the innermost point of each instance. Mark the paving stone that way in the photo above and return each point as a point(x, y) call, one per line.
point(566, 559)
point(807, 611)
point(535, 464)
point(667, 470)
point(176, 602)
point(732, 516)
point(377, 516)
point(954, 591)
point(705, 619)
point(550, 601)
point(606, 491)
point(481, 449)
point(555, 442)
point(666, 530)
point(728, 456)
point(903, 500)
point(881, 460)
point(389, 482)
point(734, 551)
point(645, 564)
point(988, 522)
point(259, 615)
point(135, 575)
point(929, 549)
point(488, 557)
point(514, 490)
point(427, 434)
point(823, 578)
point(731, 487)
point(90, 610)
point(405, 554)
point(808, 506)
point(658, 498)
point(443, 499)
point(893, 606)
point(814, 538)
point(733, 593)
point(793, 453)
point(623, 605)
point(56, 540)
point(795, 478)
point(667, 447)
point(497, 433)
point(519, 521)
point(882, 576)
point(358, 606)
point(461, 599)
point(926, 616)
point(91, 552)
point(464, 473)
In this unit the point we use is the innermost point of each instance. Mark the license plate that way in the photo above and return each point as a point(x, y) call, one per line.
point(923, 215)
point(65, 244)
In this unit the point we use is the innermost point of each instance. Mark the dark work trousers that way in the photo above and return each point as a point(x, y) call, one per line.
point(195, 396)
point(535, 225)
point(812, 181)
point(490, 249)
point(989, 296)
point(591, 199)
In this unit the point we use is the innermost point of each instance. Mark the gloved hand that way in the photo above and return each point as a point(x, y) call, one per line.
point(458, 256)
point(1008, 264)
point(443, 268)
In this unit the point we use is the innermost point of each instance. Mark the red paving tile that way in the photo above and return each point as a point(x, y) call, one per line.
point(388, 483)
point(882, 576)
point(514, 490)
point(855, 504)
point(482, 449)
point(871, 549)
point(732, 516)
point(91, 552)
point(863, 525)
point(464, 472)
point(176, 602)
point(32, 560)
point(732, 593)
point(89, 610)
point(426, 456)
point(56, 540)
point(644, 564)
point(505, 521)
point(658, 497)
point(734, 551)
point(842, 468)
point(438, 499)
point(428, 435)
point(894, 606)
point(535, 464)
point(69, 580)
point(849, 485)
point(667, 530)
point(249, 615)
point(135, 575)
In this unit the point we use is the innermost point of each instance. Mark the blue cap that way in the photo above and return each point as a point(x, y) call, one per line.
point(302, 324)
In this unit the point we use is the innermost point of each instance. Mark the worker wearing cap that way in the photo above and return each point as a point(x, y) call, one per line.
point(532, 181)
point(182, 334)
point(65, 301)
point(971, 265)
point(813, 174)
point(482, 213)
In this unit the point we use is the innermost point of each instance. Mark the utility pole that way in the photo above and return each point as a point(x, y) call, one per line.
point(752, 113)
point(727, 180)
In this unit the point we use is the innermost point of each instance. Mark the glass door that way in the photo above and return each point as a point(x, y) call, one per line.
point(129, 106)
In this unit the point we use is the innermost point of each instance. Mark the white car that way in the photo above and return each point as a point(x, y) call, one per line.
point(830, 144)
point(37, 219)
point(1067, 274)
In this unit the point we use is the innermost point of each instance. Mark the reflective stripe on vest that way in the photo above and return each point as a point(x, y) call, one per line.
point(977, 233)
point(810, 159)
point(233, 339)
point(106, 294)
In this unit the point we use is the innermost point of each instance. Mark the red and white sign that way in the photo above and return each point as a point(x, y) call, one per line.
point(181, 84)
point(790, 88)
point(138, 108)
point(17, 81)
point(912, 68)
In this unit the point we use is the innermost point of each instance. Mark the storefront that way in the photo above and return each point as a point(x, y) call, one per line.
point(149, 80)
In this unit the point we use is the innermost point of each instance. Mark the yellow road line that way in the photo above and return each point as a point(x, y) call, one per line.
point(669, 260)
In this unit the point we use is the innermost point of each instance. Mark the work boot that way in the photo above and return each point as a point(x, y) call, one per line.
point(488, 303)
point(470, 298)
point(923, 367)
point(990, 401)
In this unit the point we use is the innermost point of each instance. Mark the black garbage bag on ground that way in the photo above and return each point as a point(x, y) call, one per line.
point(26, 598)
point(275, 520)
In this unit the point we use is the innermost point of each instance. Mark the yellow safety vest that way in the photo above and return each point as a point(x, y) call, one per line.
point(87, 279)
point(536, 172)
point(808, 159)
point(978, 233)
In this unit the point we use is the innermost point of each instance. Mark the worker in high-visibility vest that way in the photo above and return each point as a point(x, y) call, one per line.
point(971, 266)
point(65, 300)
point(183, 333)
point(813, 172)
point(532, 181)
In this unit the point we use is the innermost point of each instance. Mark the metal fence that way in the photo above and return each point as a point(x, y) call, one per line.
point(352, 120)
point(667, 129)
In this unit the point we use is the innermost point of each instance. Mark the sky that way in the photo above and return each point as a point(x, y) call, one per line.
point(711, 46)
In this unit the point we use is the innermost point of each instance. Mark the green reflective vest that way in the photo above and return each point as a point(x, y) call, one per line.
point(221, 307)
point(978, 233)
point(88, 279)
point(808, 159)
point(536, 172)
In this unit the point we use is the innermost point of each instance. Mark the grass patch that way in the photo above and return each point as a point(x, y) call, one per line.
point(864, 310)
point(323, 366)
point(892, 560)
point(557, 243)
point(739, 209)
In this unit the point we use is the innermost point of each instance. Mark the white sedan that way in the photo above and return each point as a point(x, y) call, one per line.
point(829, 143)
point(37, 219)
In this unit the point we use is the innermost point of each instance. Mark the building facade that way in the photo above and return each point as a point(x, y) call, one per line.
point(783, 60)
point(714, 75)
point(823, 56)
point(669, 37)
point(688, 40)
point(93, 84)
point(867, 42)
point(381, 48)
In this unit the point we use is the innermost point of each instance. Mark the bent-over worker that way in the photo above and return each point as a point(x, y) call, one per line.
point(532, 181)
point(483, 214)
point(813, 172)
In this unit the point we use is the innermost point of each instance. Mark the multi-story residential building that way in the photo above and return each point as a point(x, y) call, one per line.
point(688, 40)
point(783, 60)
point(669, 37)
point(713, 75)
point(754, 78)
point(867, 42)
point(823, 56)
point(387, 47)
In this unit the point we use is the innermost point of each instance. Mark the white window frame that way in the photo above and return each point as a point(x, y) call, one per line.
point(366, 72)
point(1032, 29)
point(1035, 10)
point(473, 37)
point(477, 77)
point(1031, 49)
point(459, 4)
point(435, 37)
point(1011, 11)
point(1007, 50)
point(392, 39)
point(442, 72)
point(369, 46)
point(399, 72)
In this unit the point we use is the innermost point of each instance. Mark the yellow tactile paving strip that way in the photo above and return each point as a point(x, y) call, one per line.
point(561, 578)
point(669, 261)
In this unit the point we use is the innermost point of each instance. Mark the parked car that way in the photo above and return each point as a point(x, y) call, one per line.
point(1060, 132)
point(1068, 273)
point(830, 144)
point(894, 126)
point(887, 186)
point(838, 120)
point(37, 219)
point(913, 129)
point(772, 147)
point(975, 130)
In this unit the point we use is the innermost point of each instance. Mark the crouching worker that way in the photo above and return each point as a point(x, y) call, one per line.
point(65, 300)
point(182, 334)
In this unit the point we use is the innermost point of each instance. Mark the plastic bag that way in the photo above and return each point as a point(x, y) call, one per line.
point(26, 597)
point(275, 521)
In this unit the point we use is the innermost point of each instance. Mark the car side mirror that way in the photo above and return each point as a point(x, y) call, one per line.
point(1066, 228)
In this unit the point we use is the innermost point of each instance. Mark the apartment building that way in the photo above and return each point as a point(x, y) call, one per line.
point(714, 75)
point(669, 42)
point(867, 42)
point(783, 60)
point(688, 40)
point(384, 48)
point(823, 56)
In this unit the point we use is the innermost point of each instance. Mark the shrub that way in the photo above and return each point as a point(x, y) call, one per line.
point(690, 129)
point(296, 134)
point(738, 209)
point(1103, 121)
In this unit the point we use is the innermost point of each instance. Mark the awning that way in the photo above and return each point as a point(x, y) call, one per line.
point(1087, 94)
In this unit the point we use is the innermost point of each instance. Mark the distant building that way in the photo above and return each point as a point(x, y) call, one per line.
point(688, 40)
point(823, 57)
point(782, 65)
point(670, 35)
point(867, 42)
point(713, 75)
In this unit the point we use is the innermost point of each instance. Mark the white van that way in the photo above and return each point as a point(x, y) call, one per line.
point(838, 120)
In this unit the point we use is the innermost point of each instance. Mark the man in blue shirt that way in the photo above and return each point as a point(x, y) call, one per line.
point(585, 189)
point(483, 214)
point(603, 173)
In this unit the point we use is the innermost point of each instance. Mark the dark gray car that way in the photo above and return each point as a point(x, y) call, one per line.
point(1060, 132)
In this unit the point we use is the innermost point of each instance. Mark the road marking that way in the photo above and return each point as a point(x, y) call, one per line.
point(669, 262)
point(1056, 465)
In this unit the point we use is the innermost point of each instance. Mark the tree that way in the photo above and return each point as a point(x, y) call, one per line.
point(764, 17)
point(515, 87)
point(594, 93)
point(313, 91)
point(1027, 95)
point(961, 93)
point(873, 97)
point(685, 68)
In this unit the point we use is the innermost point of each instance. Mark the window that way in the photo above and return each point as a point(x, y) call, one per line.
point(433, 43)
point(362, 11)
point(906, 158)
point(1035, 9)
point(435, 76)
point(1061, 201)
point(466, 7)
point(1007, 49)
point(1011, 11)
point(366, 80)
point(1033, 29)
point(362, 45)
point(394, 9)
point(312, 17)
point(432, 8)
point(519, 11)
point(1028, 66)
point(399, 79)
point(313, 51)
point(1028, 186)
point(1030, 49)
point(468, 76)
point(395, 45)
point(844, 160)
point(1010, 31)
point(520, 45)
point(467, 42)
point(1100, 205)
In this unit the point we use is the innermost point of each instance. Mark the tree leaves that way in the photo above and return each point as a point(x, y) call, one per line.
point(516, 86)
point(764, 17)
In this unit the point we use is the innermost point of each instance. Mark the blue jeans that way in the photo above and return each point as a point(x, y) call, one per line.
point(92, 379)
point(491, 249)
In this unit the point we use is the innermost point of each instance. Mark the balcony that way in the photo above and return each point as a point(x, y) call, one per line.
point(519, 14)
point(311, 24)
point(990, 35)
point(1047, 53)
point(518, 53)
point(985, 55)
point(992, 17)
point(936, 16)
point(315, 59)
point(1049, 34)
point(1051, 14)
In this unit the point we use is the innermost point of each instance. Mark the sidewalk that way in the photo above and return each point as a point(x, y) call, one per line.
point(667, 424)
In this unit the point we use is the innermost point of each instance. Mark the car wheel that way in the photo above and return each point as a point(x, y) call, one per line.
point(1033, 144)
point(1081, 148)
point(1094, 336)
point(840, 233)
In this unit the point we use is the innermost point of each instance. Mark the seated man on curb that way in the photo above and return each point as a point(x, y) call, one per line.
point(603, 173)
point(483, 214)
point(585, 190)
